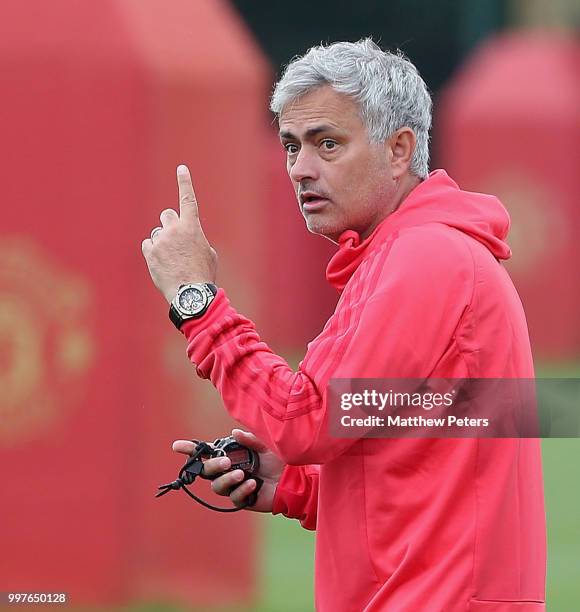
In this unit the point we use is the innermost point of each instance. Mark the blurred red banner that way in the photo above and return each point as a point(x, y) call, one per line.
point(103, 101)
point(509, 124)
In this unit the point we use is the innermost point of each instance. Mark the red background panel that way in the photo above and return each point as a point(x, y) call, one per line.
point(509, 124)
point(100, 102)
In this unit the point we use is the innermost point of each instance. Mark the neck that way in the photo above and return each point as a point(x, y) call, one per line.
point(406, 185)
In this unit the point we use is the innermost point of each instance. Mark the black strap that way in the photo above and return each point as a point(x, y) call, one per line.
point(194, 468)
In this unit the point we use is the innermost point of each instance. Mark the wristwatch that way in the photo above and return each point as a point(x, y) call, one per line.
point(191, 302)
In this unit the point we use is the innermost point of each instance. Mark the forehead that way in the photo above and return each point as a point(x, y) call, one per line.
point(321, 106)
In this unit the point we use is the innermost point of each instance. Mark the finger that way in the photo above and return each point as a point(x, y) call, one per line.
point(249, 439)
point(168, 217)
point(219, 465)
point(154, 233)
point(224, 484)
point(183, 446)
point(187, 200)
point(239, 494)
point(146, 246)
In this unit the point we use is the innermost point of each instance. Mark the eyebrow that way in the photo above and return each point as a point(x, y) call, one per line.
point(310, 132)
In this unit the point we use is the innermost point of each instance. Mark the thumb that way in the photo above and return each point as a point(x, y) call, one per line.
point(249, 439)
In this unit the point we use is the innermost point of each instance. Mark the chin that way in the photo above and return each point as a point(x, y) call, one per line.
point(330, 231)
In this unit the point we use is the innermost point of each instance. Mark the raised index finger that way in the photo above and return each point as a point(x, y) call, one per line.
point(187, 200)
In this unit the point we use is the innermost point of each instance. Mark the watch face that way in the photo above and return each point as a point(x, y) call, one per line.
point(192, 300)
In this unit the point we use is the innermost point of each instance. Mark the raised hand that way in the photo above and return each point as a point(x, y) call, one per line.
point(178, 251)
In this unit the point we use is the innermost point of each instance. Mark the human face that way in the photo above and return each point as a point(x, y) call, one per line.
point(342, 181)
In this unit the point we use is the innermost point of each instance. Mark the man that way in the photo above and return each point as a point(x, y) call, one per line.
point(401, 525)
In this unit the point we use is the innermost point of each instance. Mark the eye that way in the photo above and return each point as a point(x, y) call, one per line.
point(291, 148)
point(328, 144)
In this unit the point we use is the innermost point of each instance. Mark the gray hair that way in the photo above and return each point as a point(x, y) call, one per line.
point(387, 86)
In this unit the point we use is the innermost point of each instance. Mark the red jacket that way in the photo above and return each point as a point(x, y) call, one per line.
point(414, 524)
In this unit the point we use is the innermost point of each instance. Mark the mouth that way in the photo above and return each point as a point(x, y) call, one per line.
point(312, 202)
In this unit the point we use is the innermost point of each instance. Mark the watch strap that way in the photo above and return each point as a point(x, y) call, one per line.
point(175, 317)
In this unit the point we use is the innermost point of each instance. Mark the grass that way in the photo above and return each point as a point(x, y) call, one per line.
point(561, 460)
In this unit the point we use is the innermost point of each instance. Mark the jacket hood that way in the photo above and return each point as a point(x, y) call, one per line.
point(438, 199)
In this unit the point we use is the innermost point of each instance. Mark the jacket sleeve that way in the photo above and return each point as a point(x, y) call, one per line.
point(395, 318)
point(297, 494)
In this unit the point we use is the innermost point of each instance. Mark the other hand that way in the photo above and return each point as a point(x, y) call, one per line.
point(228, 484)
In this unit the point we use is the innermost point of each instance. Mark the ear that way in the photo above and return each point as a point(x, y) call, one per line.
point(402, 144)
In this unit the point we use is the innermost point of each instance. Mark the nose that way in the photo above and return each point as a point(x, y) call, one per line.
point(304, 167)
